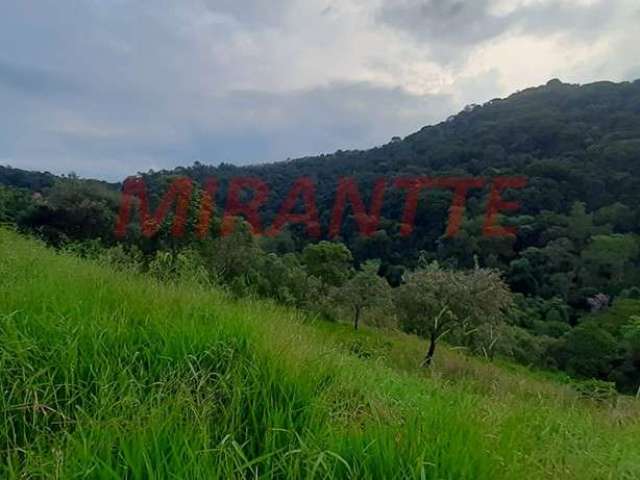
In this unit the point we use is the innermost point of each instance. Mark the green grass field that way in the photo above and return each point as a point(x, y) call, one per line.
point(110, 375)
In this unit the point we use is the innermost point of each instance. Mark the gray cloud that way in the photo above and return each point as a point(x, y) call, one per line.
point(33, 80)
point(158, 88)
point(340, 115)
point(633, 73)
point(107, 88)
point(242, 127)
point(259, 13)
point(450, 27)
point(450, 21)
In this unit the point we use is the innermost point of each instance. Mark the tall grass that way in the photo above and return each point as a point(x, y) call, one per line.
point(111, 375)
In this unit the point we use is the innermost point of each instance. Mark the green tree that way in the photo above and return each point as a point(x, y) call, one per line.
point(435, 302)
point(13, 203)
point(580, 224)
point(589, 350)
point(284, 279)
point(230, 257)
point(73, 210)
point(617, 216)
point(328, 261)
point(631, 334)
point(607, 258)
point(366, 289)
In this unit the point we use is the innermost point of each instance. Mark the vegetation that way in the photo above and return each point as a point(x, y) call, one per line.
point(573, 266)
point(365, 290)
point(107, 373)
point(434, 303)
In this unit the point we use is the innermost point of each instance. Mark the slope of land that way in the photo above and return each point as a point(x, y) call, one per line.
point(105, 374)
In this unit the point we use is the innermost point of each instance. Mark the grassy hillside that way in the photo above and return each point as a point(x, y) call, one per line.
point(110, 375)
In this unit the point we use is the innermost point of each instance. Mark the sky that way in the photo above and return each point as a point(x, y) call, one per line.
point(108, 88)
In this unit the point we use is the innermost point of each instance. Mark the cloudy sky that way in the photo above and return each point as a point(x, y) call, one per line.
point(106, 88)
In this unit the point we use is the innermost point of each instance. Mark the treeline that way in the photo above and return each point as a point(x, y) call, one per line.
point(573, 268)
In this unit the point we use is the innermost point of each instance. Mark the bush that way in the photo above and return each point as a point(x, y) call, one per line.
point(369, 347)
point(589, 350)
point(596, 390)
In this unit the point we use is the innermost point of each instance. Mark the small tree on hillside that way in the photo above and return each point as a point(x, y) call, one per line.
point(435, 302)
point(366, 289)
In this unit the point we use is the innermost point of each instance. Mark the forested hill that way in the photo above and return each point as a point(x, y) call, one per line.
point(575, 142)
point(579, 147)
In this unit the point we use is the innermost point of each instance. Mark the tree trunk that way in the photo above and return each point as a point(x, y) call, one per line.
point(431, 352)
point(356, 321)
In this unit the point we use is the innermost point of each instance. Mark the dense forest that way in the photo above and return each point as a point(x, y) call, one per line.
point(569, 280)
